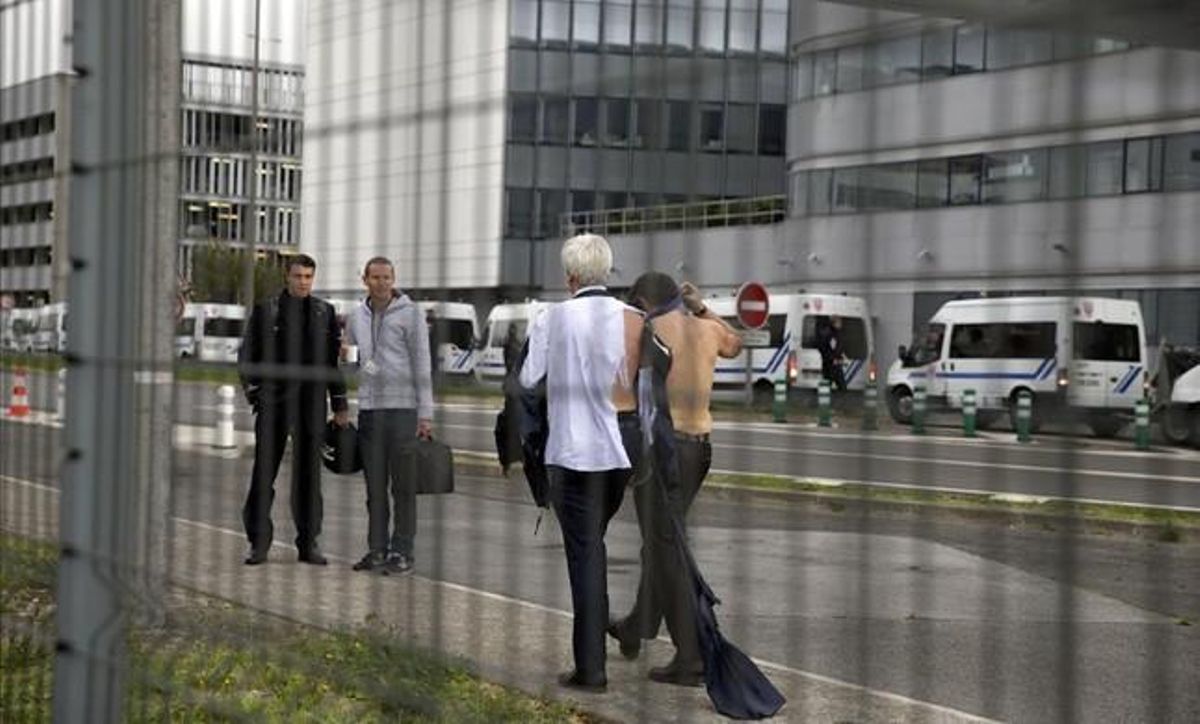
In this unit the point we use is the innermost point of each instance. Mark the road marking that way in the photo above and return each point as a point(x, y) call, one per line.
point(828, 680)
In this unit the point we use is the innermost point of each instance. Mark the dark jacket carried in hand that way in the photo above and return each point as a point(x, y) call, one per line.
point(290, 351)
point(522, 429)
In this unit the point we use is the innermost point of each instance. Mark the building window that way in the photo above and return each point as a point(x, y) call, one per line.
point(618, 23)
point(518, 218)
point(586, 23)
point(555, 120)
point(648, 124)
point(743, 26)
point(680, 22)
point(774, 26)
point(648, 27)
point(819, 187)
point(968, 49)
point(772, 129)
point(712, 127)
point(1105, 166)
point(893, 61)
point(679, 125)
point(522, 118)
point(824, 72)
point(965, 175)
point(1014, 176)
point(802, 77)
point(933, 183)
point(712, 26)
point(552, 204)
point(1143, 165)
point(888, 187)
point(615, 200)
point(1181, 164)
point(1068, 172)
point(850, 63)
point(556, 16)
point(582, 201)
point(586, 122)
point(937, 53)
point(739, 128)
point(1011, 47)
point(616, 122)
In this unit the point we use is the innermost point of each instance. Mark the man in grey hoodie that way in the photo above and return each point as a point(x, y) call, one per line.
point(395, 408)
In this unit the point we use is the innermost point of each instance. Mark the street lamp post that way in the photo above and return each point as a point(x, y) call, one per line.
point(250, 257)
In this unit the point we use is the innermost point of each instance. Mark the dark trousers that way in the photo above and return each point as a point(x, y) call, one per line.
point(272, 425)
point(665, 587)
point(584, 503)
point(387, 439)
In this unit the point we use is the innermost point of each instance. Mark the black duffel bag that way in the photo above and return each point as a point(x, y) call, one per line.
point(435, 467)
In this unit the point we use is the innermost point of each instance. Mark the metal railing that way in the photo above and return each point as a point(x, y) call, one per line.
point(676, 217)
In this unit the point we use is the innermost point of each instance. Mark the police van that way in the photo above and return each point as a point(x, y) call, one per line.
point(453, 326)
point(50, 331)
point(786, 348)
point(218, 332)
point(185, 331)
point(1085, 354)
point(489, 364)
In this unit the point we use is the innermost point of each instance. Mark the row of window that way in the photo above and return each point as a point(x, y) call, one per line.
point(28, 256)
point(710, 26)
point(231, 132)
point(537, 213)
point(27, 213)
point(230, 85)
point(217, 176)
point(24, 171)
point(936, 54)
point(27, 127)
point(647, 124)
point(226, 221)
point(1136, 165)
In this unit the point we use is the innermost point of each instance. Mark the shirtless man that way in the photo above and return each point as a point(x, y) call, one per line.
point(695, 337)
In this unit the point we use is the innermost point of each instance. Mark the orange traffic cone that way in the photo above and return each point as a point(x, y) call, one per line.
point(19, 406)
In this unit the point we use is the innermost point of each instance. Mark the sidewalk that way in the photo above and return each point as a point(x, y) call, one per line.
point(511, 642)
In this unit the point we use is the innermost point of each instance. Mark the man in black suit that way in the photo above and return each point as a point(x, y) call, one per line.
point(288, 363)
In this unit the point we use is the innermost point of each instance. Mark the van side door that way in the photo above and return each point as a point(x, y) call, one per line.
point(1107, 367)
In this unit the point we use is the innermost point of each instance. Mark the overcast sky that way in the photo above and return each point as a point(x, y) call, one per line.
point(32, 34)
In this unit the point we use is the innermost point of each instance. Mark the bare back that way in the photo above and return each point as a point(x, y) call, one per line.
point(695, 344)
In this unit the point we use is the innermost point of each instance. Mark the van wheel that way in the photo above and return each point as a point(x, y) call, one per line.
point(1194, 413)
point(1035, 416)
point(1105, 425)
point(763, 392)
point(1176, 426)
point(900, 405)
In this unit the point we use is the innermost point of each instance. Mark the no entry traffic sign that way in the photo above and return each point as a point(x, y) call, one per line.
point(752, 305)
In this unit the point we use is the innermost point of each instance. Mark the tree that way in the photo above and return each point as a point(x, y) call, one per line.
point(218, 270)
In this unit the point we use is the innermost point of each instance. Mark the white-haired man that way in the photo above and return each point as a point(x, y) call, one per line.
point(586, 348)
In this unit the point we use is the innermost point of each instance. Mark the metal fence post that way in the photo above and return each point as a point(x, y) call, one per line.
point(918, 410)
point(225, 438)
point(1024, 416)
point(779, 404)
point(870, 413)
point(1141, 417)
point(824, 413)
point(968, 412)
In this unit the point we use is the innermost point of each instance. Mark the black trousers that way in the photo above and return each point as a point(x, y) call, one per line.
point(388, 441)
point(273, 423)
point(665, 587)
point(585, 502)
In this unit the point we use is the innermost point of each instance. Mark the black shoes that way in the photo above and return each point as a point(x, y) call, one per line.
point(574, 680)
point(313, 556)
point(677, 674)
point(631, 646)
point(398, 564)
point(256, 556)
point(373, 561)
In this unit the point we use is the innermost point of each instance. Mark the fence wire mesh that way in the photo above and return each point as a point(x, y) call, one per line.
point(947, 471)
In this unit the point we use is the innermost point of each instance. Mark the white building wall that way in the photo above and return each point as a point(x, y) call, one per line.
point(404, 140)
point(33, 40)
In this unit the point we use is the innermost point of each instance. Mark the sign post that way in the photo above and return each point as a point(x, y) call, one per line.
point(753, 306)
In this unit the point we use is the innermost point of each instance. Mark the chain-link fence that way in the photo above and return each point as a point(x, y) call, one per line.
point(947, 305)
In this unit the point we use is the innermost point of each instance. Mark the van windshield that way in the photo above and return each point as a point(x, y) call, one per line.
point(1003, 340)
point(851, 334)
point(457, 332)
point(1107, 342)
point(927, 347)
point(186, 327)
point(222, 327)
point(500, 329)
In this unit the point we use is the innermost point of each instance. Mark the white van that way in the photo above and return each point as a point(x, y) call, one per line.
point(455, 327)
point(219, 332)
point(789, 349)
point(185, 331)
point(17, 329)
point(51, 331)
point(1086, 354)
point(489, 363)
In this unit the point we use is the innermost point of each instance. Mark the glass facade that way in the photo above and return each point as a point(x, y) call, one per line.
point(935, 54)
point(619, 103)
point(1103, 168)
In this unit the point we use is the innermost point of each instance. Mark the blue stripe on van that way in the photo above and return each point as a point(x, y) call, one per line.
point(1044, 369)
point(777, 357)
point(855, 366)
point(1133, 373)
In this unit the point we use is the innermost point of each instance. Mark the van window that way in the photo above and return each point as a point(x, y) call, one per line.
point(220, 327)
point(1107, 342)
point(776, 324)
point(186, 327)
point(457, 332)
point(500, 331)
point(1003, 340)
point(852, 335)
point(926, 348)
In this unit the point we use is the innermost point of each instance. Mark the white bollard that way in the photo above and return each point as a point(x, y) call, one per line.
point(60, 398)
point(225, 438)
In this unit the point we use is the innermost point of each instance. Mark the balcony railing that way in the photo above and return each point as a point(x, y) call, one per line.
point(676, 217)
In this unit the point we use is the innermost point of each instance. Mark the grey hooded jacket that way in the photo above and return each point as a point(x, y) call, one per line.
point(397, 343)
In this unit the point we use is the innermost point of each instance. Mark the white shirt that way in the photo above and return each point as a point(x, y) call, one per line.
point(579, 347)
